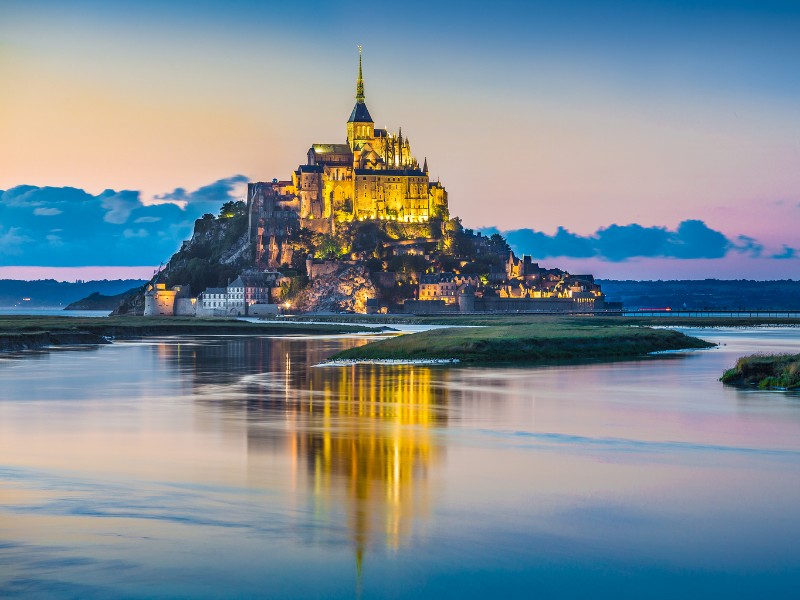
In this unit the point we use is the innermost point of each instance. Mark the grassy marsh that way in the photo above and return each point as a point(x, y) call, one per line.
point(547, 339)
point(765, 371)
point(22, 332)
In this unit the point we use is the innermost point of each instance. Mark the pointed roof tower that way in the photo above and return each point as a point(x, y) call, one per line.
point(360, 113)
point(425, 166)
point(360, 81)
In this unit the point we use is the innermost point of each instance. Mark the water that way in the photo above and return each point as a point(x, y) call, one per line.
point(228, 467)
point(54, 312)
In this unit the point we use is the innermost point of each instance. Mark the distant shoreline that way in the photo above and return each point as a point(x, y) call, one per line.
point(27, 332)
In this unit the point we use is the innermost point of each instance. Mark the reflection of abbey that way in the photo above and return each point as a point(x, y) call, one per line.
point(371, 176)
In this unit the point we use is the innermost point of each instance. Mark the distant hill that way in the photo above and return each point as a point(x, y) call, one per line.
point(705, 294)
point(97, 301)
point(49, 293)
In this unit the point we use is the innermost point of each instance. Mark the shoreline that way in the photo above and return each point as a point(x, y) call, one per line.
point(472, 320)
point(23, 332)
point(780, 372)
point(499, 339)
point(387, 361)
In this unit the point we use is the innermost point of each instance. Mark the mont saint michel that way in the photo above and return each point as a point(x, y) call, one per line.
point(413, 301)
point(359, 227)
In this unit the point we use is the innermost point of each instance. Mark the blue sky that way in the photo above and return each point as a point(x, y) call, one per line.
point(569, 116)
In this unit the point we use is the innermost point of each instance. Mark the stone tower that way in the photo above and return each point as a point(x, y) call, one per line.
point(360, 126)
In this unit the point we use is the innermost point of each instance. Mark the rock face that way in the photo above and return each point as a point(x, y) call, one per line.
point(347, 289)
point(216, 253)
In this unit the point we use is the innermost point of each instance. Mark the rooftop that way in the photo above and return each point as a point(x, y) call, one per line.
point(360, 114)
point(331, 148)
point(392, 172)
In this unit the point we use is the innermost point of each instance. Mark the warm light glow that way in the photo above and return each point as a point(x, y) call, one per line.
point(387, 448)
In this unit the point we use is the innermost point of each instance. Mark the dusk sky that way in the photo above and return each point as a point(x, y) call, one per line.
point(641, 140)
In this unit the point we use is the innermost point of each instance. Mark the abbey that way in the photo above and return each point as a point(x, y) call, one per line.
point(359, 227)
point(372, 176)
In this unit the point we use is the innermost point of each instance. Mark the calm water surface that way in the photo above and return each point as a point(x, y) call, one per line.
point(53, 312)
point(231, 467)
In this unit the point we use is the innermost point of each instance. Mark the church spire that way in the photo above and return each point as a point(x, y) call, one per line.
point(360, 113)
point(360, 81)
point(425, 166)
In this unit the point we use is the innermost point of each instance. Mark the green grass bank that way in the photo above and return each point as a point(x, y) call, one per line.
point(548, 339)
point(765, 371)
point(22, 332)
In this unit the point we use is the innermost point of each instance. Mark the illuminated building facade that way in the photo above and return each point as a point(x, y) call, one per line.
point(371, 176)
point(445, 286)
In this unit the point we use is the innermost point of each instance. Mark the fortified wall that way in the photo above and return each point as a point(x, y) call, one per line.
point(471, 304)
point(160, 301)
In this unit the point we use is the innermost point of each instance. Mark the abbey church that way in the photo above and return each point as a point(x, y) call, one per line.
point(372, 176)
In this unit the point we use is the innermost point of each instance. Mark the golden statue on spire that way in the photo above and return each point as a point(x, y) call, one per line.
point(360, 81)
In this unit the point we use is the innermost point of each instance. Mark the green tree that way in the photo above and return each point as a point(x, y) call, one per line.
point(232, 209)
point(499, 244)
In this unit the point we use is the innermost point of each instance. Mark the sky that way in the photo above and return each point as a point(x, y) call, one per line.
point(639, 140)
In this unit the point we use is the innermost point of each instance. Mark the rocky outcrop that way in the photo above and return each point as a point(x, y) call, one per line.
point(346, 289)
point(216, 253)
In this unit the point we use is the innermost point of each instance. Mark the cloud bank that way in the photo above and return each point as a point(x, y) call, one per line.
point(69, 227)
point(692, 239)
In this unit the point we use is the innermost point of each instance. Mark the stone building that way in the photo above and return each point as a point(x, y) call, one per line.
point(160, 301)
point(526, 288)
point(522, 268)
point(445, 286)
point(251, 293)
point(213, 299)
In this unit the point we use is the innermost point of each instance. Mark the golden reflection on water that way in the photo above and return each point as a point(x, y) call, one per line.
point(360, 438)
point(369, 436)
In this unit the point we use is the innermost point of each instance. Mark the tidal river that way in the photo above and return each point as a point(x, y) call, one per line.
point(232, 467)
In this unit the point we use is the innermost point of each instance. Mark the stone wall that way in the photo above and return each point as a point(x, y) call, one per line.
point(495, 304)
point(159, 302)
point(428, 307)
point(499, 305)
point(262, 310)
point(185, 307)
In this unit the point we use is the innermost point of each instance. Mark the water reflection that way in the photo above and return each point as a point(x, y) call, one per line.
point(361, 438)
point(230, 466)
